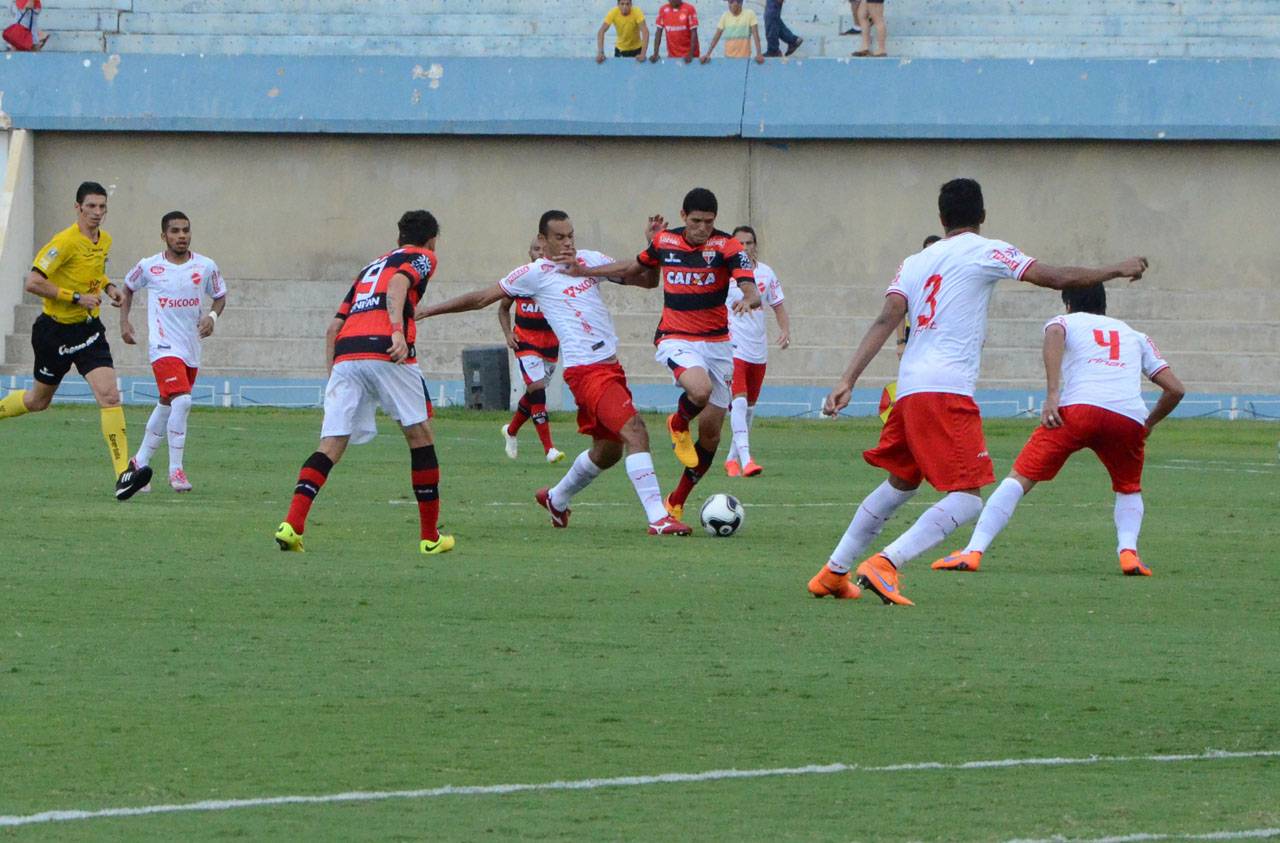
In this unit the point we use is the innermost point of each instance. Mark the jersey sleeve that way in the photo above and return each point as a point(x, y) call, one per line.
point(610, 17)
point(773, 291)
point(418, 266)
point(521, 282)
point(1007, 261)
point(592, 258)
point(1060, 321)
point(137, 278)
point(345, 307)
point(53, 255)
point(214, 286)
point(1152, 362)
point(741, 266)
point(693, 17)
point(650, 257)
point(661, 19)
point(895, 287)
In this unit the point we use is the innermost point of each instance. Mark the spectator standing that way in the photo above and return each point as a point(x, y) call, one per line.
point(632, 32)
point(871, 13)
point(740, 28)
point(853, 29)
point(679, 20)
point(23, 35)
point(776, 32)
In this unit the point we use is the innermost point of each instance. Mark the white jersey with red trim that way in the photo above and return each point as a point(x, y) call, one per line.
point(572, 306)
point(948, 287)
point(747, 333)
point(174, 306)
point(1104, 363)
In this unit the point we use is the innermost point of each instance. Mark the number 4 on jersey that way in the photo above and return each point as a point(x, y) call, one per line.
point(1109, 339)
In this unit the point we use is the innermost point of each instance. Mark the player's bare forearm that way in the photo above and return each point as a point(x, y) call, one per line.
point(1070, 277)
point(474, 300)
point(1171, 394)
point(895, 308)
point(504, 320)
point(1055, 345)
point(38, 285)
point(330, 341)
point(784, 324)
point(219, 305)
point(750, 293)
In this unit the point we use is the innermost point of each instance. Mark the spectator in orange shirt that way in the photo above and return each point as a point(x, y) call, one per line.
point(679, 20)
point(739, 28)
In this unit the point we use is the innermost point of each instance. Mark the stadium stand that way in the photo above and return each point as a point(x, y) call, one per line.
point(441, 28)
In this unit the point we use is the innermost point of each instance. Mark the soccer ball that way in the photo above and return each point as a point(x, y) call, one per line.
point(722, 515)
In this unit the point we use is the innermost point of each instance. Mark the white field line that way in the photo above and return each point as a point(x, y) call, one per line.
point(1248, 834)
point(1215, 468)
point(620, 781)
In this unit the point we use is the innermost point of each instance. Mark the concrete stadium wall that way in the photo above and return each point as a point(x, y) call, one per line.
point(291, 218)
point(17, 223)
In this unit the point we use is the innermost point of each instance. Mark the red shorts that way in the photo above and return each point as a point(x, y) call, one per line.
point(173, 376)
point(747, 378)
point(935, 436)
point(1118, 440)
point(604, 401)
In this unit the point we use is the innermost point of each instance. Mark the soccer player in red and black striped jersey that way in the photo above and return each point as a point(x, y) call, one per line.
point(537, 349)
point(695, 265)
point(373, 362)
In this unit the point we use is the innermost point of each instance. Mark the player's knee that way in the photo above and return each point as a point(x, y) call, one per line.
point(605, 453)
point(536, 386)
point(635, 435)
point(699, 392)
point(36, 402)
point(109, 397)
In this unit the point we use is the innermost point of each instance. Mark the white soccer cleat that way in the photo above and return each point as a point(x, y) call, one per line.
point(512, 444)
point(178, 481)
point(554, 455)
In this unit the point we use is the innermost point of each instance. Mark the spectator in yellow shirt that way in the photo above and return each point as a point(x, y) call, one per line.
point(632, 31)
point(740, 28)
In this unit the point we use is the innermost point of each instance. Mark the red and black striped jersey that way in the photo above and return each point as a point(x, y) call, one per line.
point(533, 332)
point(366, 328)
point(695, 281)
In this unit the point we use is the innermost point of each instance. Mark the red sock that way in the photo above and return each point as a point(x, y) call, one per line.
point(521, 416)
point(310, 480)
point(690, 476)
point(426, 488)
point(686, 411)
point(538, 406)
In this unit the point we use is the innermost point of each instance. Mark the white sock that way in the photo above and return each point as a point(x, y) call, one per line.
point(739, 424)
point(873, 513)
point(1129, 511)
point(154, 436)
point(938, 522)
point(577, 478)
point(996, 514)
point(751, 416)
point(181, 407)
point(645, 480)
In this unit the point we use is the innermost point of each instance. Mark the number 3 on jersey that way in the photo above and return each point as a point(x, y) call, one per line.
point(1110, 339)
point(931, 287)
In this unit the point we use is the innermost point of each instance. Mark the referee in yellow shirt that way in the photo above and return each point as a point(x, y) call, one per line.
point(70, 274)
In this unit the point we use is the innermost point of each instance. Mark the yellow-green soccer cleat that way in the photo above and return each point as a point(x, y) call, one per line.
point(444, 544)
point(288, 539)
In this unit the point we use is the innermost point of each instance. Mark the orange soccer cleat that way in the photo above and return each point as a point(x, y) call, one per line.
point(879, 575)
point(959, 560)
point(1131, 565)
point(838, 586)
point(733, 468)
point(682, 444)
point(675, 510)
point(751, 469)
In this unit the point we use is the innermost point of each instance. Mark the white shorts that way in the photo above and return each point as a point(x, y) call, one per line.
point(534, 367)
point(358, 387)
point(716, 358)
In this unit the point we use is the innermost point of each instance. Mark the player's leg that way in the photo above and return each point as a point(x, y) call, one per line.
point(19, 402)
point(691, 375)
point(738, 421)
point(129, 478)
point(177, 388)
point(753, 378)
point(51, 366)
point(157, 425)
point(538, 410)
point(311, 479)
point(424, 470)
point(644, 479)
point(710, 423)
point(530, 372)
point(1120, 444)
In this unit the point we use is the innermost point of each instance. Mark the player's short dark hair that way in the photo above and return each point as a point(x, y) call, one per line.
point(700, 199)
point(1086, 299)
point(89, 188)
point(960, 204)
point(550, 217)
point(749, 230)
point(170, 217)
point(929, 241)
point(417, 227)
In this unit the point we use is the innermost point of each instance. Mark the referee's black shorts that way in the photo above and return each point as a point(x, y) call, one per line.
point(58, 346)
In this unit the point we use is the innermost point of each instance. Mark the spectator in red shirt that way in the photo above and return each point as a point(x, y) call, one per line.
point(679, 20)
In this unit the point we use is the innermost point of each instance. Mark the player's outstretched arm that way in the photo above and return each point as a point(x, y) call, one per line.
point(784, 324)
point(474, 300)
point(504, 320)
point(1055, 346)
point(1172, 392)
point(1067, 277)
point(891, 315)
point(750, 297)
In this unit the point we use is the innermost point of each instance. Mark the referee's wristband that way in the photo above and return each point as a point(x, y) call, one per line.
point(213, 314)
point(65, 295)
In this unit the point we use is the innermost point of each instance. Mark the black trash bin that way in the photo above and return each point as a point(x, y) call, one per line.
point(486, 377)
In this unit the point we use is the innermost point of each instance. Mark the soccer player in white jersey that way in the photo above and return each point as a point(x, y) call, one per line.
point(935, 430)
point(751, 354)
point(175, 280)
point(1093, 368)
point(588, 345)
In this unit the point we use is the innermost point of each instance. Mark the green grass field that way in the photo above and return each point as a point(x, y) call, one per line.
point(163, 651)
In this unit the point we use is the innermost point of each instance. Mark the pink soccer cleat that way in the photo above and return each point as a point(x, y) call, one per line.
point(178, 481)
